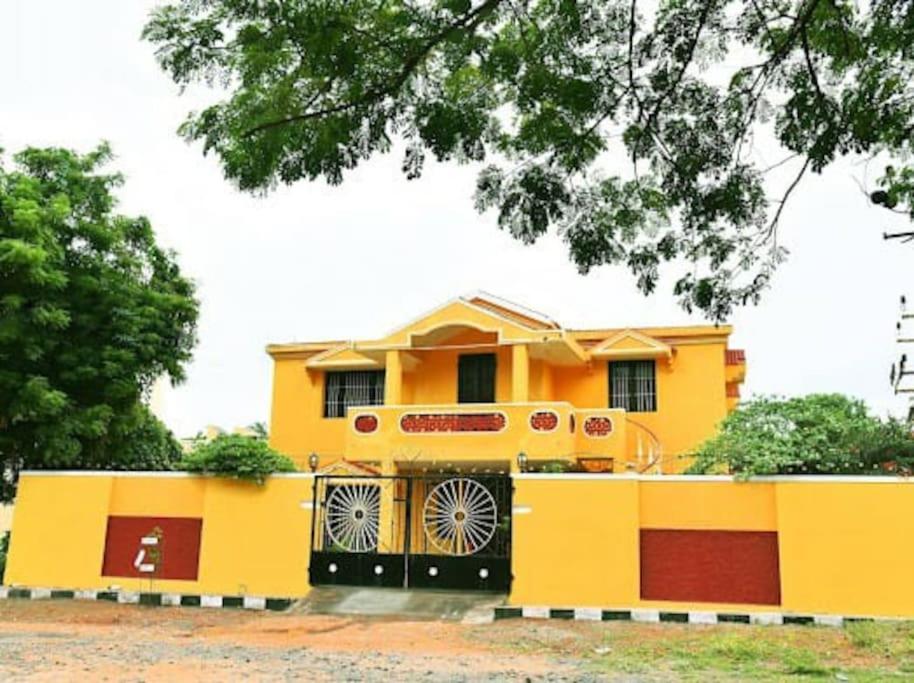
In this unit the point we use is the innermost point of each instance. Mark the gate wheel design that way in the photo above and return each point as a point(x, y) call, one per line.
point(460, 516)
point(352, 517)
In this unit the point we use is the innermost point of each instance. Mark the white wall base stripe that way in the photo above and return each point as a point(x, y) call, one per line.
point(646, 615)
point(210, 601)
point(828, 620)
point(171, 599)
point(588, 614)
point(536, 612)
point(255, 603)
point(128, 598)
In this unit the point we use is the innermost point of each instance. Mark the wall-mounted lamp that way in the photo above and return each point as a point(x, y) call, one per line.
point(312, 461)
point(522, 461)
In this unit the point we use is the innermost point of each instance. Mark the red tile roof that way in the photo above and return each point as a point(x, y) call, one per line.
point(736, 356)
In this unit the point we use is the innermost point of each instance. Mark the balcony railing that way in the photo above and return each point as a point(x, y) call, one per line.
point(483, 432)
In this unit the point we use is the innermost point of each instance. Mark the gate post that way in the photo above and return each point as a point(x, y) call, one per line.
point(407, 531)
point(387, 529)
point(315, 511)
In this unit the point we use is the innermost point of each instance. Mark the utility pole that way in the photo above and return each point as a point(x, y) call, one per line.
point(902, 369)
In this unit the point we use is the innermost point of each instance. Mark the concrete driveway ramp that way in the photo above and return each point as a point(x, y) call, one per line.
point(398, 602)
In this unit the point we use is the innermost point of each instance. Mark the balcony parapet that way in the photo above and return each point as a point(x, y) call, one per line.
point(483, 432)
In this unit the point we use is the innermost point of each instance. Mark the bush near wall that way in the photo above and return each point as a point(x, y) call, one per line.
point(814, 434)
point(237, 457)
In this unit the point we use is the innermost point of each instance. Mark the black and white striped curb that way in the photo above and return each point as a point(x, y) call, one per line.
point(661, 616)
point(642, 615)
point(152, 599)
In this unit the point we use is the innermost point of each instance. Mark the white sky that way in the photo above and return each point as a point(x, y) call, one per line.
point(316, 262)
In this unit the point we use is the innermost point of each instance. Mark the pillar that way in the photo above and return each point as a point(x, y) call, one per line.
point(520, 373)
point(393, 378)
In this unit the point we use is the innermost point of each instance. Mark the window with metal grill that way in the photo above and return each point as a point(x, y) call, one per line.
point(633, 385)
point(352, 388)
point(476, 378)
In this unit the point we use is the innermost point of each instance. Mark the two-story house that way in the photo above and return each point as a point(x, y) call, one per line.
point(479, 384)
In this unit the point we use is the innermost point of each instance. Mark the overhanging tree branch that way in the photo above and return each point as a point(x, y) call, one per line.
point(469, 21)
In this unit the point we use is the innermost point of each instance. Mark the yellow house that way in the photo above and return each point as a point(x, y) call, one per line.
point(483, 385)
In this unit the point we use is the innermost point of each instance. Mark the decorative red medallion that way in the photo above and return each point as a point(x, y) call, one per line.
point(365, 424)
point(544, 421)
point(418, 423)
point(598, 426)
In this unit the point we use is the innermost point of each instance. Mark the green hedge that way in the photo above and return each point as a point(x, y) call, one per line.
point(236, 457)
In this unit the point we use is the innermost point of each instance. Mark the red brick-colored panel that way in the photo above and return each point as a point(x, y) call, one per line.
point(174, 553)
point(710, 566)
point(544, 421)
point(598, 426)
point(366, 424)
point(418, 423)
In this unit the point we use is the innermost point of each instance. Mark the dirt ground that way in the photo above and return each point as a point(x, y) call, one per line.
point(72, 640)
point(75, 640)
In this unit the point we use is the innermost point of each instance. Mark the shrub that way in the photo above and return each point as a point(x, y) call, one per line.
point(815, 434)
point(238, 457)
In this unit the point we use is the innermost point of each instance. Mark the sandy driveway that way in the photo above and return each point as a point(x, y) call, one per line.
point(68, 640)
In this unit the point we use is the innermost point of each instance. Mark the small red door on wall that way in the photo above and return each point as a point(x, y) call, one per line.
point(152, 547)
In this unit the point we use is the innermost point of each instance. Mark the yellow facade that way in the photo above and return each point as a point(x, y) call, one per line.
point(841, 545)
point(539, 366)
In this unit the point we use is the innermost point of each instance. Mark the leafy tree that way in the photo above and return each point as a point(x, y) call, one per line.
point(145, 444)
point(259, 429)
point(238, 457)
point(815, 434)
point(629, 126)
point(92, 311)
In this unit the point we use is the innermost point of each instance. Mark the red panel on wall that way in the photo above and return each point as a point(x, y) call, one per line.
point(152, 547)
point(366, 424)
point(710, 566)
point(414, 423)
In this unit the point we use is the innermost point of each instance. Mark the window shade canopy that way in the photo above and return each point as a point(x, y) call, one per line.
point(631, 345)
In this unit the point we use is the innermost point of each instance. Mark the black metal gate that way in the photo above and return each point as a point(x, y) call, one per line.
point(447, 531)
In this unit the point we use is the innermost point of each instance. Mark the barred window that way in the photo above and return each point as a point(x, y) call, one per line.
point(633, 386)
point(352, 388)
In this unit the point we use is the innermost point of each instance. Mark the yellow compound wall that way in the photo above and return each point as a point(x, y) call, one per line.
point(843, 543)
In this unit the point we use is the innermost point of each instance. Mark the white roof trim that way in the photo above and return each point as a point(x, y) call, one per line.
point(511, 305)
point(333, 350)
point(466, 302)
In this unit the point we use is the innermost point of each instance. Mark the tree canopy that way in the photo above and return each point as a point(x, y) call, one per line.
point(92, 312)
point(814, 434)
point(630, 127)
